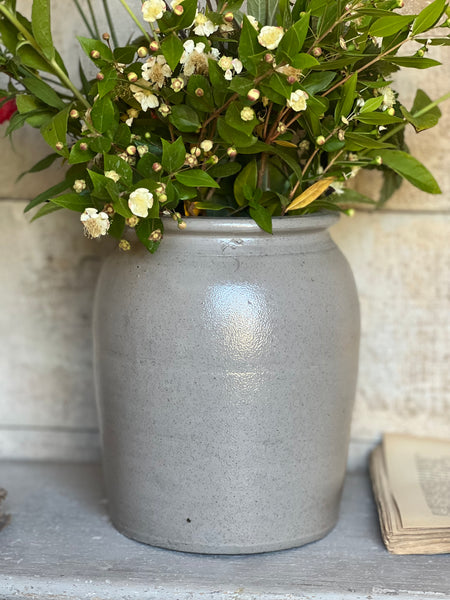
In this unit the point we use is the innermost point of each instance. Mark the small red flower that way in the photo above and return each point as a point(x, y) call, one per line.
point(7, 109)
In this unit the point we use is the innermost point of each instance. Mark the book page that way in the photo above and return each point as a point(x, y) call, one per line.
point(418, 470)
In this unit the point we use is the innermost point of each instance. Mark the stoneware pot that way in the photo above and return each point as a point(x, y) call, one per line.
point(226, 367)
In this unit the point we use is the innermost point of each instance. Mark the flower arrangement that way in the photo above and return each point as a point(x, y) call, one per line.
point(215, 111)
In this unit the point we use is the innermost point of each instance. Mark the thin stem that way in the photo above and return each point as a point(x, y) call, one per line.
point(86, 22)
point(110, 23)
point(94, 20)
point(369, 64)
point(135, 19)
point(330, 29)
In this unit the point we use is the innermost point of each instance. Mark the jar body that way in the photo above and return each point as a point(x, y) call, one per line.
point(225, 369)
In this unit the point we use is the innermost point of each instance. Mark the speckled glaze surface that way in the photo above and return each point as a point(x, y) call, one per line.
point(226, 368)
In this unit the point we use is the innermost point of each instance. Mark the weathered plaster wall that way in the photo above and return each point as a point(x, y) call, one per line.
point(400, 257)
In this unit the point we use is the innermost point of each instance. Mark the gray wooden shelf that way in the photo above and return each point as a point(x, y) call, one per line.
point(61, 545)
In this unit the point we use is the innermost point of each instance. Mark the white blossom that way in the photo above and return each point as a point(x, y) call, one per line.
point(247, 113)
point(146, 98)
point(140, 201)
point(95, 223)
point(112, 175)
point(270, 36)
point(297, 101)
point(79, 185)
point(206, 145)
point(155, 70)
point(388, 98)
point(203, 26)
point(253, 22)
point(194, 59)
point(152, 10)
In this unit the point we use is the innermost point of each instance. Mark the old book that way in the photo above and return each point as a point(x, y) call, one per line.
point(411, 482)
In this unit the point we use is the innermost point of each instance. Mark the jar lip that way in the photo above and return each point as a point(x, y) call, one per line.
point(246, 225)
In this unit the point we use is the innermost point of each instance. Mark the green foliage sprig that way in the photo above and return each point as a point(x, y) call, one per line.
point(219, 112)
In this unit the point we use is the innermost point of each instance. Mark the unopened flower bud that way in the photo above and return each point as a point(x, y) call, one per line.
point(350, 212)
point(399, 4)
point(232, 152)
point(190, 161)
point(176, 216)
point(108, 209)
point(199, 92)
point(196, 151)
point(124, 245)
point(95, 54)
point(161, 188)
point(147, 135)
point(378, 160)
point(291, 79)
point(132, 221)
point(100, 77)
point(177, 84)
point(131, 150)
point(83, 146)
point(228, 17)
point(132, 77)
point(420, 53)
point(317, 52)
point(446, 23)
point(157, 167)
point(162, 197)
point(165, 110)
point(269, 58)
point(182, 224)
point(213, 160)
point(253, 95)
point(74, 114)
point(154, 46)
point(178, 10)
point(142, 52)
point(59, 146)
point(106, 36)
point(391, 112)
point(281, 128)
point(156, 235)
point(206, 145)
point(341, 135)
point(320, 140)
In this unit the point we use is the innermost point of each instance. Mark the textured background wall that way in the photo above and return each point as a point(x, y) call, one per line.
point(400, 257)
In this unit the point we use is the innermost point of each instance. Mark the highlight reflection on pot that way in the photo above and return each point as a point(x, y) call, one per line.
point(239, 315)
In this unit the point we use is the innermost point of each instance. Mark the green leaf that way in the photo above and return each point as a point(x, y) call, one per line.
point(31, 58)
point(292, 41)
point(117, 226)
point(196, 178)
point(78, 156)
point(99, 182)
point(391, 183)
point(56, 130)
point(318, 82)
point(248, 177)
point(358, 141)
point(233, 119)
point(109, 81)
point(410, 168)
point(122, 168)
point(203, 103)
point(41, 165)
point(88, 45)
point(184, 118)
point(224, 170)
point(124, 54)
point(47, 209)
point(371, 105)
point(43, 91)
point(41, 25)
point(233, 136)
point(428, 17)
point(143, 230)
point(428, 119)
point(211, 206)
point(122, 136)
point(378, 118)
point(304, 61)
point(386, 26)
point(99, 144)
point(172, 49)
point(261, 216)
point(413, 62)
point(102, 114)
point(73, 201)
point(44, 196)
point(347, 99)
point(249, 46)
point(8, 34)
point(242, 85)
point(174, 155)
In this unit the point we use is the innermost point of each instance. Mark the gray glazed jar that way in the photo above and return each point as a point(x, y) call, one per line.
point(226, 367)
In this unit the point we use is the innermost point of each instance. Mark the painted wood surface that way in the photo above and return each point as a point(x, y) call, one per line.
point(60, 544)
